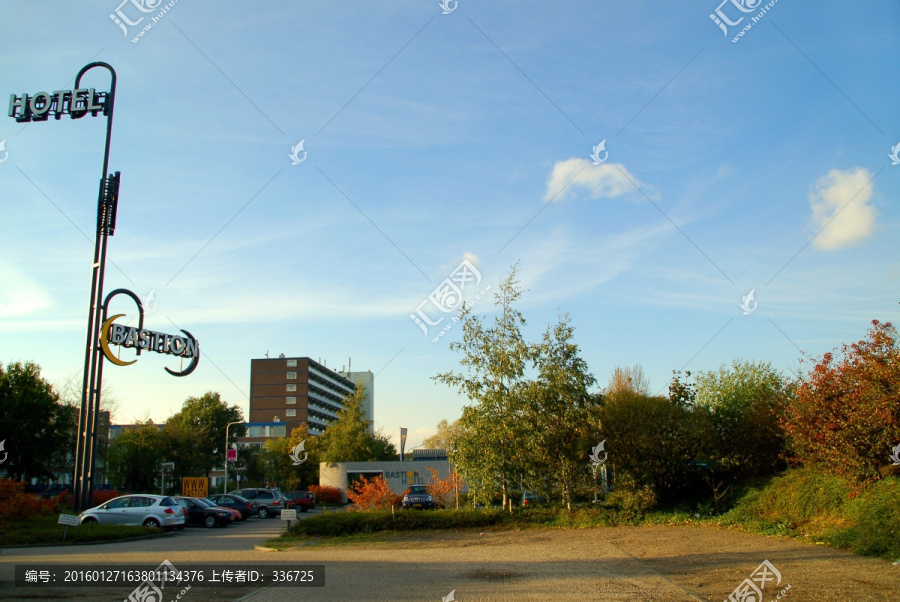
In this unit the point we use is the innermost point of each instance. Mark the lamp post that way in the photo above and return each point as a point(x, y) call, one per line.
point(228, 426)
point(77, 103)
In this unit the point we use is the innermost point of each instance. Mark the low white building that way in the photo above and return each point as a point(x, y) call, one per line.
point(399, 475)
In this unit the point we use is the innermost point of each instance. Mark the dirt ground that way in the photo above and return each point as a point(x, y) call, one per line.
point(623, 563)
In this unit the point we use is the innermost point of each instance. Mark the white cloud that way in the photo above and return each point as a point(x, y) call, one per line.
point(842, 198)
point(606, 180)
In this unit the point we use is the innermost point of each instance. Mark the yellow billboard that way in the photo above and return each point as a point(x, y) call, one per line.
point(194, 486)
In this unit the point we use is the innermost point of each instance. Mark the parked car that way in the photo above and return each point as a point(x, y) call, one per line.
point(531, 498)
point(417, 496)
point(304, 500)
point(143, 509)
point(267, 502)
point(201, 514)
point(241, 504)
point(236, 514)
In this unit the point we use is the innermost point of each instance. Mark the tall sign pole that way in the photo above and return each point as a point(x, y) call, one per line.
point(86, 446)
point(77, 103)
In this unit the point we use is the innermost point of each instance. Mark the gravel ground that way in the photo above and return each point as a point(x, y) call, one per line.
point(622, 563)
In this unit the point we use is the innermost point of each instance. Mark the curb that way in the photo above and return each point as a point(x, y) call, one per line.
point(264, 549)
point(85, 543)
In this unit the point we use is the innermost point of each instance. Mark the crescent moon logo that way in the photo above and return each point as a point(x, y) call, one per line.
point(104, 343)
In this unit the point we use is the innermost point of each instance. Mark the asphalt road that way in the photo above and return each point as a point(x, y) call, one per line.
point(232, 544)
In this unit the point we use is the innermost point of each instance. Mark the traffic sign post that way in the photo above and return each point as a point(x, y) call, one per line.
point(289, 515)
point(67, 519)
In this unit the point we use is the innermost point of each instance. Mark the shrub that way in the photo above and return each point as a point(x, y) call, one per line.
point(876, 522)
point(16, 505)
point(372, 494)
point(444, 490)
point(334, 524)
point(845, 414)
point(101, 497)
point(326, 494)
point(631, 498)
point(864, 518)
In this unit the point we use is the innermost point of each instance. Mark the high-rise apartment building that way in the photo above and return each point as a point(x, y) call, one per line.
point(297, 390)
point(367, 380)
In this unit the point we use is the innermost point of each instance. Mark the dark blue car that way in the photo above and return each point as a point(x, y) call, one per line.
point(417, 496)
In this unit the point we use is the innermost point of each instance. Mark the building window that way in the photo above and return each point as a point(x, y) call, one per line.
point(291, 375)
point(290, 412)
point(291, 400)
point(292, 363)
point(291, 388)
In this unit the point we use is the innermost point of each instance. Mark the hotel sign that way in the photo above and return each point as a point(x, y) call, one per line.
point(143, 339)
point(77, 103)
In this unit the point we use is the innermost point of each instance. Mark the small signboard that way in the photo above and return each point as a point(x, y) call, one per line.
point(289, 514)
point(194, 486)
point(68, 519)
point(232, 455)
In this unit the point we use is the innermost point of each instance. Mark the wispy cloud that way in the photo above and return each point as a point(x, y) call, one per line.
point(607, 180)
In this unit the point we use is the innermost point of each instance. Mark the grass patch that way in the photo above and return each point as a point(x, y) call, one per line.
point(799, 503)
point(375, 526)
point(43, 529)
point(806, 503)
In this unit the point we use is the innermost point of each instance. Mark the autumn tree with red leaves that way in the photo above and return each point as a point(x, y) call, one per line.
point(372, 494)
point(845, 415)
point(443, 490)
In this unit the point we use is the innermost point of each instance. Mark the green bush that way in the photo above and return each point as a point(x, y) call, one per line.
point(348, 523)
point(808, 502)
point(876, 522)
point(632, 499)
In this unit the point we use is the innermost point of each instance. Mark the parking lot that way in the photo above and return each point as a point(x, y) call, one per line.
point(195, 544)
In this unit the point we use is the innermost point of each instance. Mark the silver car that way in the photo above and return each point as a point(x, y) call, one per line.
point(146, 510)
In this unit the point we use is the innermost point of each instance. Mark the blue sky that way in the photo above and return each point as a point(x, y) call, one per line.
point(434, 137)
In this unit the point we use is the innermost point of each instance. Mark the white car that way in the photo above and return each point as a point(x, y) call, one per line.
point(146, 510)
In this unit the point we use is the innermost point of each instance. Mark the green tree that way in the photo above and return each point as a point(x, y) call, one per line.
point(381, 448)
point(254, 473)
point(278, 456)
point(650, 441)
point(560, 414)
point(196, 434)
point(347, 439)
point(682, 392)
point(494, 360)
point(135, 456)
point(628, 378)
point(743, 403)
point(443, 438)
point(36, 428)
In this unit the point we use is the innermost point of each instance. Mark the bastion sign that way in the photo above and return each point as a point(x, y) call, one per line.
point(143, 339)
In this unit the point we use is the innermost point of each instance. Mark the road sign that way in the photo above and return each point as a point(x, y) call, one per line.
point(68, 519)
point(195, 486)
point(288, 515)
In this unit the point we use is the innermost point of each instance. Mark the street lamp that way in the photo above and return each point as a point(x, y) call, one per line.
point(228, 426)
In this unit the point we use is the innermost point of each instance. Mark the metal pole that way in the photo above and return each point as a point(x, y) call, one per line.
point(86, 442)
point(227, 426)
